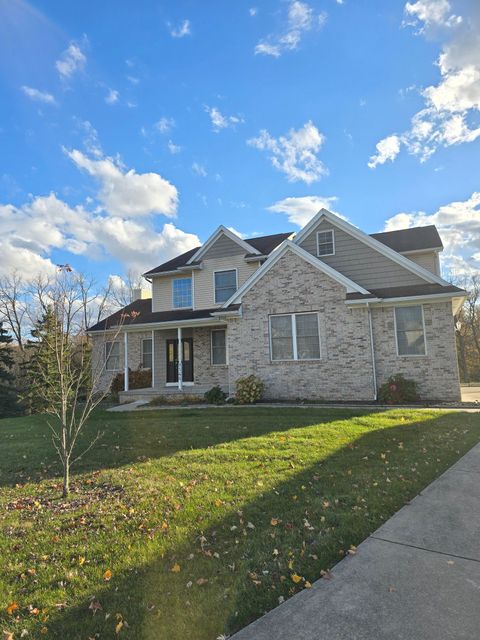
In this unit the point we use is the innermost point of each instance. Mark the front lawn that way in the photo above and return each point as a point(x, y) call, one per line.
point(191, 523)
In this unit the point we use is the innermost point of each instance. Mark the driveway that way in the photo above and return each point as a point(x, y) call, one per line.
point(471, 394)
point(415, 578)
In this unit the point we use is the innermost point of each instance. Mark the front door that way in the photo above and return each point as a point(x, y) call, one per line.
point(172, 360)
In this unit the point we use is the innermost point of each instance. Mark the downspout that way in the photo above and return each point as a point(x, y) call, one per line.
point(374, 372)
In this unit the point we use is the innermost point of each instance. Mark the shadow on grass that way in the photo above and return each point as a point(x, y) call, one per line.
point(136, 436)
point(297, 528)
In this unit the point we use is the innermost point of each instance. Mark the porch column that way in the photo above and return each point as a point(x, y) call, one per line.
point(125, 358)
point(180, 358)
point(153, 358)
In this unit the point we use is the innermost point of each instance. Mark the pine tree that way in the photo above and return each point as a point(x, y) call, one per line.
point(8, 394)
point(42, 371)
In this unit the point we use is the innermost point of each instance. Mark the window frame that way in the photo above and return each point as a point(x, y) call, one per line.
point(410, 355)
point(143, 353)
point(295, 357)
point(214, 283)
point(218, 364)
point(106, 358)
point(190, 306)
point(323, 255)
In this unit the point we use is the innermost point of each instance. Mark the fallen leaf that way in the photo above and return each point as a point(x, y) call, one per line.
point(7, 635)
point(11, 608)
point(201, 581)
point(296, 578)
point(118, 627)
point(107, 575)
point(307, 585)
point(81, 560)
point(274, 522)
point(176, 568)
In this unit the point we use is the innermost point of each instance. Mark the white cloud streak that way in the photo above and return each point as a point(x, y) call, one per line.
point(71, 61)
point(301, 210)
point(220, 121)
point(301, 18)
point(294, 154)
point(38, 96)
point(182, 30)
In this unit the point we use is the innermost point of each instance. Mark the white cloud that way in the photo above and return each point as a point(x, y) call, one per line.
point(112, 96)
point(301, 18)
point(459, 226)
point(432, 13)
point(29, 234)
point(173, 148)
point(387, 149)
point(237, 233)
point(164, 125)
point(295, 153)
point(453, 103)
point(219, 121)
point(183, 29)
point(253, 11)
point(199, 169)
point(127, 193)
point(39, 96)
point(72, 60)
point(301, 210)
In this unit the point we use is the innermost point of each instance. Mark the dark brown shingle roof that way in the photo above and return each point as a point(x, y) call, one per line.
point(140, 312)
point(264, 244)
point(415, 239)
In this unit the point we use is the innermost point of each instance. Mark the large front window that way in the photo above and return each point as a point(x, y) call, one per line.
point(182, 293)
point(410, 331)
point(295, 336)
point(225, 285)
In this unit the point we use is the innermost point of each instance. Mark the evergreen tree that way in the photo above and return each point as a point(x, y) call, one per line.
point(8, 394)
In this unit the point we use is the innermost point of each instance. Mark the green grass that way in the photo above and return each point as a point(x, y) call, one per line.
point(239, 500)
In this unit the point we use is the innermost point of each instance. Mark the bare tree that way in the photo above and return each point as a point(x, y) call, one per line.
point(13, 306)
point(62, 365)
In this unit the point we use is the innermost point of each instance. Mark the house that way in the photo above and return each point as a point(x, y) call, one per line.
point(328, 313)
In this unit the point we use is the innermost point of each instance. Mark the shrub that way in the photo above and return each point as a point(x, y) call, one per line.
point(398, 390)
point(176, 400)
point(137, 379)
point(215, 395)
point(249, 389)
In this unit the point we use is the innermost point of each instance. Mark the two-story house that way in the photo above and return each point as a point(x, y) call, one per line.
point(328, 313)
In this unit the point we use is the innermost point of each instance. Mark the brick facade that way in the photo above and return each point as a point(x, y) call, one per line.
point(344, 371)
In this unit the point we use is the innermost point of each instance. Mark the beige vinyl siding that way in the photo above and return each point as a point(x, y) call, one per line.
point(427, 260)
point(204, 286)
point(162, 292)
point(357, 261)
point(223, 248)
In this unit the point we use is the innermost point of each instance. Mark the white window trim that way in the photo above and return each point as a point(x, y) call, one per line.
point(151, 353)
point(191, 292)
point(411, 355)
point(294, 336)
point(211, 349)
point(333, 242)
point(215, 289)
point(112, 342)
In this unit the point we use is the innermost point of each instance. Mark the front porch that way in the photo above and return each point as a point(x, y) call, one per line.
point(182, 359)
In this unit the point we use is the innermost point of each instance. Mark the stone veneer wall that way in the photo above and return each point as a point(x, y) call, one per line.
point(344, 371)
point(436, 373)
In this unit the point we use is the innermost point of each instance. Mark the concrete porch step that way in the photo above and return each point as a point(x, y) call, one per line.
point(150, 393)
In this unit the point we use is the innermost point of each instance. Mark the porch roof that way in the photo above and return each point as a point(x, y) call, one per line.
point(140, 313)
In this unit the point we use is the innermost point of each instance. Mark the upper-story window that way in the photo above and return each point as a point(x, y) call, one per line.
point(182, 293)
point(326, 243)
point(225, 285)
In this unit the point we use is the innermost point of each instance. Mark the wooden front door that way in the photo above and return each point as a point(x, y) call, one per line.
point(172, 360)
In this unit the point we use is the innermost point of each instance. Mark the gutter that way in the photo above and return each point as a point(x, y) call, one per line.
point(374, 367)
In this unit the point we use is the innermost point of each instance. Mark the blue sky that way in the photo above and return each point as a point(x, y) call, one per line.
point(117, 119)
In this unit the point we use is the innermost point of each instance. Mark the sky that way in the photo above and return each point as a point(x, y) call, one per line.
point(130, 130)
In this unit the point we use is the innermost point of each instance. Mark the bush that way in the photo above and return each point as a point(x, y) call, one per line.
point(215, 395)
point(176, 400)
point(137, 379)
point(249, 389)
point(398, 390)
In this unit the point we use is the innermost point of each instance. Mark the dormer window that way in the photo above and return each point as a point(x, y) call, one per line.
point(225, 285)
point(326, 243)
point(182, 293)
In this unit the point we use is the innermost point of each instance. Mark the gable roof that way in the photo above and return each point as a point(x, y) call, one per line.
point(370, 241)
point(262, 245)
point(413, 239)
point(288, 245)
point(214, 237)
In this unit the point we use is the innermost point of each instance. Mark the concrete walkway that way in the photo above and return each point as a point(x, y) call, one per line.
point(415, 578)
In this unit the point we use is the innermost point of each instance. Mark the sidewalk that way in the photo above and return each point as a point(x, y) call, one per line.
point(416, 578)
